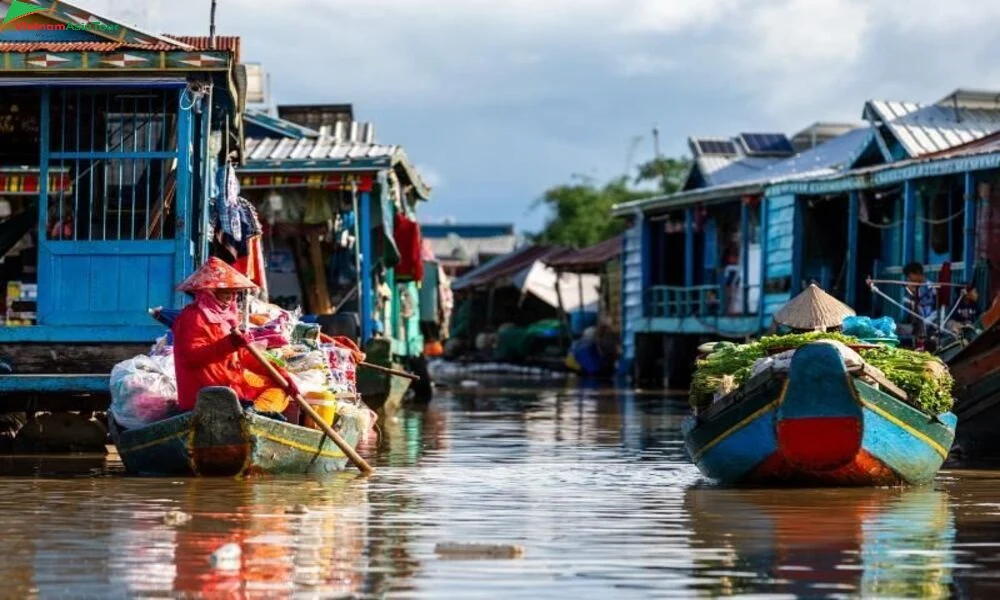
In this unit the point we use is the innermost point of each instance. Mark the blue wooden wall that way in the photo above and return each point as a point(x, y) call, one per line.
point(631, 289)
point(780, 228)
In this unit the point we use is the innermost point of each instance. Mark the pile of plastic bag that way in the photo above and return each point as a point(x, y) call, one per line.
point(143, 390)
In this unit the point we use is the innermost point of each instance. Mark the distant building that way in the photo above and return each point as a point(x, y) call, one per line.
point(461, 247)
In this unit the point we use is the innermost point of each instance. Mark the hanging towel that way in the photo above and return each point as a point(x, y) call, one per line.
point(407, 237)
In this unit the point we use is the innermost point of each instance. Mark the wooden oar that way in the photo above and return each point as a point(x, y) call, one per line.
point(355, 458)
point(329, 340)
point(389, 371)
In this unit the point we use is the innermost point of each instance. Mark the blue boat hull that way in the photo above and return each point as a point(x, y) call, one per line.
point(820, 425)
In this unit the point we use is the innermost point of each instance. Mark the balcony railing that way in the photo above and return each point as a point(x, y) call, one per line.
point(664, 301)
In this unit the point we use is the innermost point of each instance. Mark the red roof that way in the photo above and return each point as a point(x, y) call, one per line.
point(101, 46)
point(224, 43)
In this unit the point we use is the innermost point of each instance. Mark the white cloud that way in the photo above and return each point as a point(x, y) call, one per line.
point(641, 64)
point(668, 16)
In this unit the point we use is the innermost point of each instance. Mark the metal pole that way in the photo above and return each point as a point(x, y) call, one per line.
point(211, 27)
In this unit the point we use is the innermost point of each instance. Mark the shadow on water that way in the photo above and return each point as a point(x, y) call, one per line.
point(594, 483)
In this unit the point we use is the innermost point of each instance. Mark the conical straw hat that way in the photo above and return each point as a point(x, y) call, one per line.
point(216, 275)
point(813, 310)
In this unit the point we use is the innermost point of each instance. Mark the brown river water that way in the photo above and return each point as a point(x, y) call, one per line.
point(595, 485)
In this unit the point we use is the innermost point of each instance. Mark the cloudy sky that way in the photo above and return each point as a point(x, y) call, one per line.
point(496, 100)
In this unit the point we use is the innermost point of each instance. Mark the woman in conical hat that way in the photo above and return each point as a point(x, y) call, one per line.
point(209, 349)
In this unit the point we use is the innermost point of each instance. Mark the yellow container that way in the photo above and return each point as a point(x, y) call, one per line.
point(325, 405)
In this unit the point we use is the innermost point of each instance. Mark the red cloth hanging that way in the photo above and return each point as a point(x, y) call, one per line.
point(406, 232)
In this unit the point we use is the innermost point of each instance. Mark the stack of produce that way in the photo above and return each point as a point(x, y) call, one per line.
point(922, 376)
point(144, 388)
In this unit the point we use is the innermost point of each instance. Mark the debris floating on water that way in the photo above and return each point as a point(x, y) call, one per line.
point(455, 550)
point(298, 509)
point(176, 517)
point(226, 558)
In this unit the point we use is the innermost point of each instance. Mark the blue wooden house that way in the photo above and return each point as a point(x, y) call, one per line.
point(910, 185)
point(317, 175)
point(108, 135)
point(921, 189)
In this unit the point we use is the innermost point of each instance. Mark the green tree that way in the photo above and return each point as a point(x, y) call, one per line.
point(580, 212)
point(668, 173)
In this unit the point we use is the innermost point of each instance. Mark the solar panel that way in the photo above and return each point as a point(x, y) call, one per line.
point(707, 147)
point(767, 143)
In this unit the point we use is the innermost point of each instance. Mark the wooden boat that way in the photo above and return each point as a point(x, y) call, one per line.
point(820, 424)
point(976, 369)
point(218, 438)
point(381, 391)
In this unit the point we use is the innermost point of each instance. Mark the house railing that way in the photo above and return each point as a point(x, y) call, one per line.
point(664, 301)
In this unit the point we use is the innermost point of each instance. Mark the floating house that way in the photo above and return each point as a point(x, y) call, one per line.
point(460, 247)
point(108, 143)
point(762, 217)
point(336, 203)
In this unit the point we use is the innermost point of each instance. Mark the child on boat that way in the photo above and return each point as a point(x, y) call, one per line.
point(210, 350)
point(919, 298)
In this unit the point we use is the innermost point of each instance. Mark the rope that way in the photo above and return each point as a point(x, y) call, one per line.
point(929, 284)
point(892, 225)
point(925, 321)
point(944, 220)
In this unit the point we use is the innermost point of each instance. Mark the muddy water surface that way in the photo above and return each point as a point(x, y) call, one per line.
point(594, 485)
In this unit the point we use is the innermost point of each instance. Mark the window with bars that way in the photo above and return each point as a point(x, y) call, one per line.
point(120, 148)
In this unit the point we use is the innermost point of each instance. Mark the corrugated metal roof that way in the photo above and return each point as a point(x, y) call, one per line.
point(744, 169)
point(504, 267)
point(588, 260)
point(825, 159)
point(923, 130)
point(281, 127)
point(306, 149)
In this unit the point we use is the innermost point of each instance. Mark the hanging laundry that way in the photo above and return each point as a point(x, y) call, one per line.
point(407, 236)
point(227, 203)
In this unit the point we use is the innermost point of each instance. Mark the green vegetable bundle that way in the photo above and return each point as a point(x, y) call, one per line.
point(922, 376)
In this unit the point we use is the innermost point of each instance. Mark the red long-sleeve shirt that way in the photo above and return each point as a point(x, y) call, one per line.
point(205, 356)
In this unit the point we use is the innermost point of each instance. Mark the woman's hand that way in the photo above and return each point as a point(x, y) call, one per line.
point(239, 339)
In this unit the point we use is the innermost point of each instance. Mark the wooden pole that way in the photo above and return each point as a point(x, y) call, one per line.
point(346, 448)
point(321, 291)
point(389, 371)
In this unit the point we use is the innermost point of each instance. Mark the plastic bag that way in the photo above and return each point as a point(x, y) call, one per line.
point(865, 328)
point(143, 390)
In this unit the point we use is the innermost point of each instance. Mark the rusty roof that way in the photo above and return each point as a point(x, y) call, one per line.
point(591, 259)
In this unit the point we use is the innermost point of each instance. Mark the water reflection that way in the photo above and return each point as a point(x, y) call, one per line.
point(876, 543)
point(593, 483)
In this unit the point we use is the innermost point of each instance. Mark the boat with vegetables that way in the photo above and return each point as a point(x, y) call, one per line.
point(820, 408)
